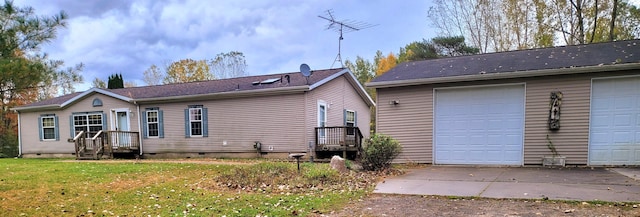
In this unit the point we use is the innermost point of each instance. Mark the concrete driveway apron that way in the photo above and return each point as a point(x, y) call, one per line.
point(583, 184)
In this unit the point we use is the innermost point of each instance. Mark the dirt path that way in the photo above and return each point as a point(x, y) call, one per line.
point(407, 205)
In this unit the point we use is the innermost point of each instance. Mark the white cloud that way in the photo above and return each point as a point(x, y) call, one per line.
point(126, 36)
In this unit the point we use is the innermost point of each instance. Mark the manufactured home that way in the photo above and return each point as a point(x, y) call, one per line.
point(316, 113)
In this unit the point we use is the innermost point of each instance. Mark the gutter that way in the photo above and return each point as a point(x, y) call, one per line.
point(139, 116)
point(20, 136)
point(504, 75)
point(229, 94)
point(51, 107)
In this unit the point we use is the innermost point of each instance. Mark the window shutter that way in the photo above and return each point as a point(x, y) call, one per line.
point(144, 125)
point(355, 118)
point(56, 129)
point(160, 124)
point(40, 128)
point(205, 124)
point(344, 117)
point(186, 124)
point(71, 129)
point(104, 121)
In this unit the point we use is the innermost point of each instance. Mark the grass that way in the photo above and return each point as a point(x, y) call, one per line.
point(47, 187)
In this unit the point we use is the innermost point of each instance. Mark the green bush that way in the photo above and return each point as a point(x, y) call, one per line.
point(379, 151)
point(8, 145)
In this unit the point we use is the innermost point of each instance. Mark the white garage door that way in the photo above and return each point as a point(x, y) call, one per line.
point(614, 137)
point(481, 125)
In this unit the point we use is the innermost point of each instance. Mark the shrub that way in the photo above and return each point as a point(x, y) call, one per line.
point(8, 145)
point(379, 151)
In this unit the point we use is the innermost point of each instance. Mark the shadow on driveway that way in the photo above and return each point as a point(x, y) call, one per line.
point(583, 184)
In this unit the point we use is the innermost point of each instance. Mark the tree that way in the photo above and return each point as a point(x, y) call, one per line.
point(452, 46)
point(128, 84)
point(97, 83)
point(385, 64)
point(228, 65)
point(501, 25)
point(153, 75)
point(187, 70)
point(365, 72)
point(24, 72)
point(417, 51)
point(115, 81)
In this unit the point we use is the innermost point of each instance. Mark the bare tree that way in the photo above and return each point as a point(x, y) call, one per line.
point(228, 65)
point(153, 75)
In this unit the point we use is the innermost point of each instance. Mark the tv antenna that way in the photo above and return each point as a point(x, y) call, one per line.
point(344, 26)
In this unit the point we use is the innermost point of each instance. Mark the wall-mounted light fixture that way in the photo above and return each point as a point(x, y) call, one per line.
point(394, 102)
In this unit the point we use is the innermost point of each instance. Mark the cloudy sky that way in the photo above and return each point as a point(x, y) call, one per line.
point(128, 36)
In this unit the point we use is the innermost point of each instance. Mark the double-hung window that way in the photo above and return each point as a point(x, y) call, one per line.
point(350, 121)
point(48, 128)
point(152, 123)
point(196, 121)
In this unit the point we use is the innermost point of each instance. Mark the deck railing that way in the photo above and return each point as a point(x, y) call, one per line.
point(340, 138)
point(105, 142)
point(124, 140)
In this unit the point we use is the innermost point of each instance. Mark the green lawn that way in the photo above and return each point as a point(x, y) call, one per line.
point(49, 187)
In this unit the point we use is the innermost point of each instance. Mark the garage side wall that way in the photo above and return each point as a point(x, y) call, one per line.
point(410, 121)
point(571, 140)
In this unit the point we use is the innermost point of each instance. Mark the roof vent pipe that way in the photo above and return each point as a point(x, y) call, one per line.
point(288, 79)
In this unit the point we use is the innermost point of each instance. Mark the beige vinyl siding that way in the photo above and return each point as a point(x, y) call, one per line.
point(571, 140)
point(338, 94)
point(410, 122)
point(31, 143)
point(273, 120)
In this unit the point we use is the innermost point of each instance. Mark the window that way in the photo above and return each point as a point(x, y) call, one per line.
point(350, 121)
point(48, 125)
point(196, 121)
point(97, 102)
point(152, 123)
point(89, 123)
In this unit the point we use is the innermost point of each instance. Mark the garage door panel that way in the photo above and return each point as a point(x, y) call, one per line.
point(614, 125)
point(487, 122)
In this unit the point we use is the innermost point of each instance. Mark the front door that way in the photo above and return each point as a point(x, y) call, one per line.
point(122, 137)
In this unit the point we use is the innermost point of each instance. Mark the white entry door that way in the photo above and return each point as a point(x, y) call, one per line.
point(479, 125)
point(614, 135)
point(322, 122)
point(120, 138)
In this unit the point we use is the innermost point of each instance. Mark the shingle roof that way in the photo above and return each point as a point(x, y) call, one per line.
point(599, 54)
point(223, 85)
point(295, 79)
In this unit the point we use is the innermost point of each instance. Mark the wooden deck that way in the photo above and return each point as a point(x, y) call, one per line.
point(343, 140)
point(105, 144)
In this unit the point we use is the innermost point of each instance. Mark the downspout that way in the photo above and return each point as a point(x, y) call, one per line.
point(19, 137)
point(139, 126)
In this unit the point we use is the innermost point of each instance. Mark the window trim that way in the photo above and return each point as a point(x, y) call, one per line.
point(88, 126)
point(196, 121)
point(157, 122)
point(204, 119)
point(346, 121)
point(42, 128)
